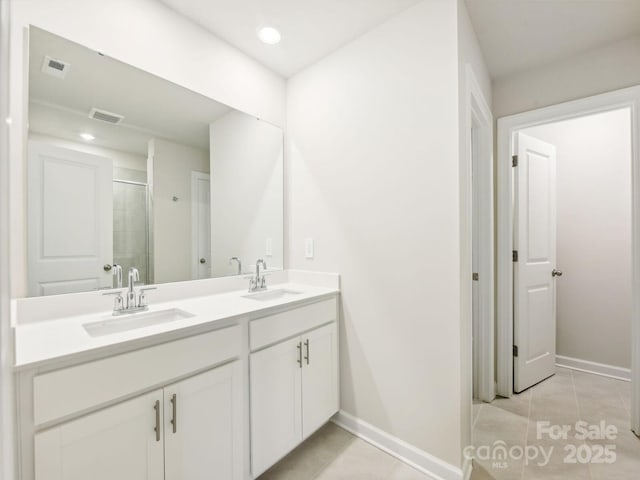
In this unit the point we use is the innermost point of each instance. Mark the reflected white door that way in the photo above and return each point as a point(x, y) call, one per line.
point(201, 225)
point(535, 242)
point(70, 211)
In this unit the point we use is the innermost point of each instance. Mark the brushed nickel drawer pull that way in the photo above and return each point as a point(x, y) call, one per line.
point(306, 344)
point(300, 354)
point(174, 405)
point(156, 407)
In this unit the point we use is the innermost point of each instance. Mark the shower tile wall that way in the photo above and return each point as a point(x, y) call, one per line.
point(130, 247)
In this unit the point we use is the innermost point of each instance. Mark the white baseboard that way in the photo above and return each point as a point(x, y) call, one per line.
point(594, 367)
point(426, 463)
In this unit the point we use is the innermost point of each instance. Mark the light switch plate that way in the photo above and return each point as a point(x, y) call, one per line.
point(268, 247)
point(308, 248)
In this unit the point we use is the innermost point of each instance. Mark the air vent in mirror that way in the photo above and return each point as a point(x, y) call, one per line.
point(104, 116)
point(55, 67)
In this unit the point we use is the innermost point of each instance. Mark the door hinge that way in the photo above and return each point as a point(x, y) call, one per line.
point(515, 350)
point(475, 277)
point(514, 255)
point(514, 161)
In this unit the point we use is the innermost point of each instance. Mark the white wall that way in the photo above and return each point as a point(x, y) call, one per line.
point(604, 69)
point(594, 236)
point(169, 171)
point(148, 35)
point(469, 57)
point(373, 177)
point(246, 192)
point(7, 397)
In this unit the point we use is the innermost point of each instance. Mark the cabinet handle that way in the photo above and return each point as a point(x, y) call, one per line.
point(306, 344)
point(300, 354)
point(156, 407)
point(174, 406)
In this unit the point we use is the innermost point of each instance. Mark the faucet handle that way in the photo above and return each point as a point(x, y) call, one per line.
point(142, 297)
point(118, 302)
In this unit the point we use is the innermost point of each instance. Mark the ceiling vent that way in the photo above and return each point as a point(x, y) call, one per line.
point(54, 67)
point(104, 116)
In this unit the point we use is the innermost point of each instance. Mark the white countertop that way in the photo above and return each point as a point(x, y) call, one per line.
point(65, 338)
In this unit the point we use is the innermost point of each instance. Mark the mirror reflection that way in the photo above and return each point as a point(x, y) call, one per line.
point(125, 168)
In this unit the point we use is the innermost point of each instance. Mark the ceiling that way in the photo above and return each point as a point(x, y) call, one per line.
point(310, 29)
point(152, 107)
point(517, 35)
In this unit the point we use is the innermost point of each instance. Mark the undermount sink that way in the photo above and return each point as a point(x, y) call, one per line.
point(268, 295)
point(134, 321)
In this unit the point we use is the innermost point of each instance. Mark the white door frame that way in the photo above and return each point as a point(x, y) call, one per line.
point(478, 122)
point(507, 126)
point(195, 176)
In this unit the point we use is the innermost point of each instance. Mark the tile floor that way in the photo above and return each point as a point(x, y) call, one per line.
point(564, 399)
point(334, 454)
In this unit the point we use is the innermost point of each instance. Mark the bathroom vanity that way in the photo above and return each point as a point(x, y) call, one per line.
point(222, 390)
point(198, 379)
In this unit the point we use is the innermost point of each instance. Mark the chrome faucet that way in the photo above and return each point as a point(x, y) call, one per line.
point(134, 276)
point(258, 282)
point(236, 259)
point(136, 301)
point(117, 272)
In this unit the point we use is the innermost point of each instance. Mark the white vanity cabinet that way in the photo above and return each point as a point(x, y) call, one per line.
point(294, 383)
point(193, 428)
point(198, 437)
point(207, 404)
point(117, 442)
point(203, 427)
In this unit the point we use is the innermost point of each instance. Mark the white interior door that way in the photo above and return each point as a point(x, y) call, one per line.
point(70, 213)
point(201, 224)
point(203, 426)
point(535, 243)
point(118, 442)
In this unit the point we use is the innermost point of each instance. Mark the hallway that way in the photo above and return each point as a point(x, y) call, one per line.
point(566, 398)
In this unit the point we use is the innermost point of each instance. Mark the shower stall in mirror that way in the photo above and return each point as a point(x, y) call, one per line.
point(131, 222)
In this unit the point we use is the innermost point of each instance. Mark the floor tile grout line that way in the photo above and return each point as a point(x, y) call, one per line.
point(329, 461)
point(626, 407)
point(475, 420)
point(575, 394)
point(526, 435)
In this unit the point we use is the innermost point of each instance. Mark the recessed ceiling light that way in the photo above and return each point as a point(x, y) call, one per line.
point(269, 35)
point(87, 136)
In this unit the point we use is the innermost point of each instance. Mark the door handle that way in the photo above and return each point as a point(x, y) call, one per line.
point(306, 344)
point(107, 267)
point(300, 354)
point(556, 273)
point(156, 407)
point(174, 406)
point(203, 260)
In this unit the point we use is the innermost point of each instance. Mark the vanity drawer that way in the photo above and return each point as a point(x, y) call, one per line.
point(274, 328)
point(76, 389)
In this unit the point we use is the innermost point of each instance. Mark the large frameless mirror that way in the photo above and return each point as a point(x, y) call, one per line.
point(126, 168)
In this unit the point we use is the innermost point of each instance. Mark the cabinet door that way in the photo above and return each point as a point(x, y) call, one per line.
point(118, 442)
point(320, 378)
point(275, 403)
point(203, 426)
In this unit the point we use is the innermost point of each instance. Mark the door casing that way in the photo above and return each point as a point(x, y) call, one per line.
point(507, 127)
